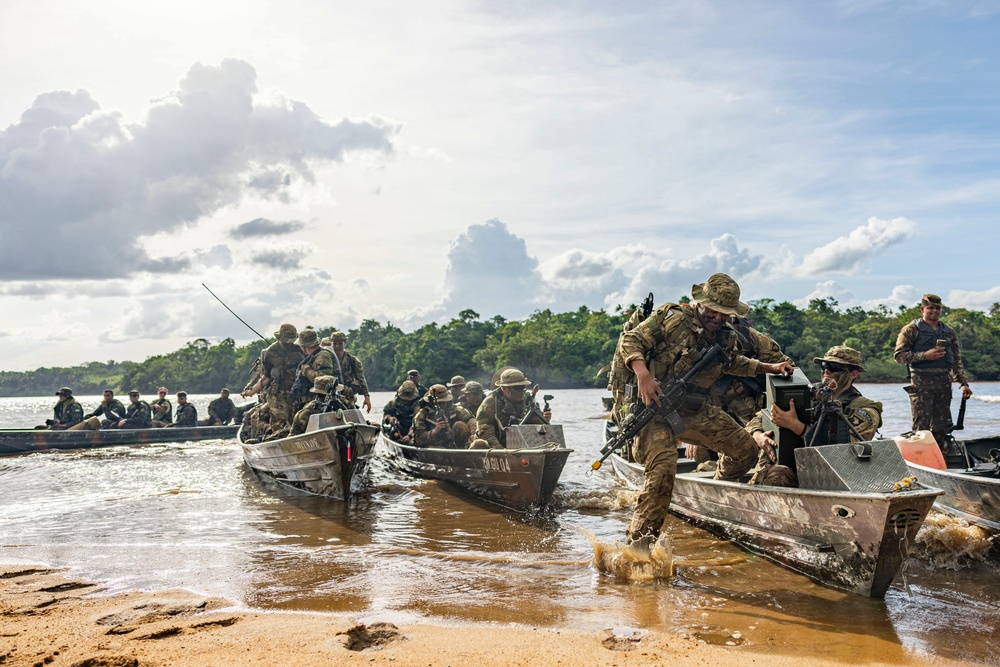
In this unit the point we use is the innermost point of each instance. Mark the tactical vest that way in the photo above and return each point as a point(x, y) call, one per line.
point(928, 338)
point(834, 431)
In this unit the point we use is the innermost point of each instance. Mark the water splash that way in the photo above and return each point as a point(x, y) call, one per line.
point(633, 564)
point(948, 542)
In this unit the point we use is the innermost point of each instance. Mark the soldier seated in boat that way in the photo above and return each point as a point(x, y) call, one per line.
point(67, 413)
point(220, 411)
point(187, 414)
point(472, 396)
point(511, 403)
point(162, 410)
point(323, 386)
point(110, 408)
point(137, 414)
point(840, 366)
point(441, 423)
point(413, 376)
point(397, 415)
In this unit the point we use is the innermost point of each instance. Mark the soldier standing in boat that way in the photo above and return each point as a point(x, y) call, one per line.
point(440, 422)
point(509, 404)
point(664, 347)
point(840, 367)
point(352, 371)
point(930, 349)
point(317, 361)
point(279, 364)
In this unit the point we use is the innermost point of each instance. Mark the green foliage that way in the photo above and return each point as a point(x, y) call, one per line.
point(553, 349)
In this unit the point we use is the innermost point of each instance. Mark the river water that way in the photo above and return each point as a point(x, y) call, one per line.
point(191, 515)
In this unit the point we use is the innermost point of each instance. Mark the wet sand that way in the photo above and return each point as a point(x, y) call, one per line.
point(51, 620)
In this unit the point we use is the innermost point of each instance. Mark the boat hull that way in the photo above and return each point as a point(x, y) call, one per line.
point(330, 459)
point(855, 541)
point(521, 479)
point(21, 441)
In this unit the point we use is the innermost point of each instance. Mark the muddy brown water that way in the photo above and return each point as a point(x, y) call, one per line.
point(191, 515)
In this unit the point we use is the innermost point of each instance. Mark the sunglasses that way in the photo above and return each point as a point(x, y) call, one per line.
point(834, 367)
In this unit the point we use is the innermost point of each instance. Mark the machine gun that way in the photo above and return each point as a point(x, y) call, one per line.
point(669, 408)
point(533, 410)
point(825, 407)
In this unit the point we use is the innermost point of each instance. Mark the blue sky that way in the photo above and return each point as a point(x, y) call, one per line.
point(322, 163)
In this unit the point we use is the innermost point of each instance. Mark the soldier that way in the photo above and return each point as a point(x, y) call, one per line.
point(398, 412)
point(440, 422)
point(137, 414)
point(741, 397)
point(664, 347)
point(352, 371)
point(66, 413)
point(509, 404)
point(322, 386)
point(840, 367)
point(187, 414)
point(931, 351)
point(220, 411)
point(279, 363)
point(110, 408)
point(457, 385)
point(414, 377)
point(472, 396)
point(317, 361)
point(162, 410)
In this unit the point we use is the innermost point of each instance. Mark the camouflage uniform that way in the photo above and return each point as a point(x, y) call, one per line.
point(472, 397)
point(322, 386)
point(497, 411)
point(113, 412)
point(461, 423)
point(187, 415)
point(316, 363)
point(162, 410)
point(354, 378)
point(138, 415)
point(402, 407)
point(67, 412)
point(930, 391)
point(743, 397)
point(675, 340)
point(220, 411)
point(279, 363)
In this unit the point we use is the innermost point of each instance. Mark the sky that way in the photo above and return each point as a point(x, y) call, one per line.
point(322, 163)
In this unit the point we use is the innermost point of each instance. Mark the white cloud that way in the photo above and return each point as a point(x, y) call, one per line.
point(977, 300)
point(91, 185)
point(902, 295)
point(850, 253)
point(824, 290)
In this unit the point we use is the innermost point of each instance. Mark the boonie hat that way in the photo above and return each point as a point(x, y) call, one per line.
point(324, 384)
point(308, 338)
point(721, 293)
point(286, 333)
point(440, 392)
point(841, 354)
point(412, 372)
point(408, 391)
point(473, 387)
point(931, 300)
point(513, 378)
point(338, 335)
point(457, 381)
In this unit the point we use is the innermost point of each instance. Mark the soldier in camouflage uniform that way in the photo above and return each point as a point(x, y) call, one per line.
point(221, 410)
point(931, 350)
point(741, 397)
point(66, 414)
point(317, 361)
point(664, 347)
point(444, 424)
point(137, 414)
point(398, 413)
point(472, 396)
point(322, 386)
point(162, 410)
point(507, 405)
point(110, 408)
point(187, 414)
point(840, 366)
point(352, 371)
point(279, 363)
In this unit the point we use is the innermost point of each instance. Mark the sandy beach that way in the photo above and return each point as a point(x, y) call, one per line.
point(49, 619)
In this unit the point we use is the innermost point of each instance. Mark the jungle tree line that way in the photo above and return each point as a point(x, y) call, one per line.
point(557, 350)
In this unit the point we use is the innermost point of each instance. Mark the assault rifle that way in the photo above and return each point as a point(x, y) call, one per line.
point(436, 412)
point(669, 408)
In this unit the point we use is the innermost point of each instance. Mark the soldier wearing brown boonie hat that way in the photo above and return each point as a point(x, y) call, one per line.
point(509, 403)
point(352, 371)
point(398, 413)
